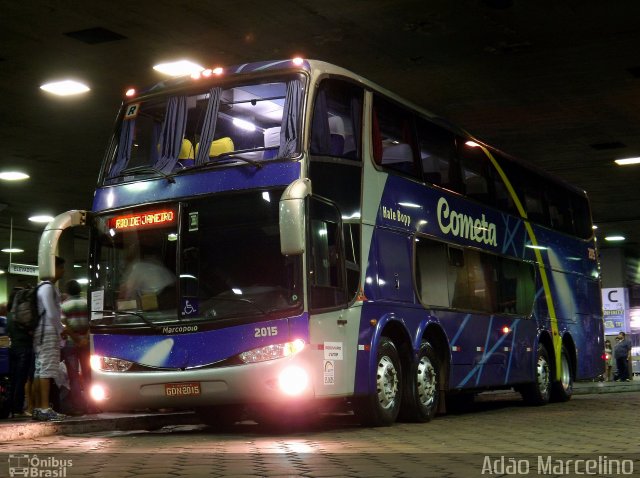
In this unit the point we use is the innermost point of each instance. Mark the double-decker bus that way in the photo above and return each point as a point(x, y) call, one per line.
point(284, 234)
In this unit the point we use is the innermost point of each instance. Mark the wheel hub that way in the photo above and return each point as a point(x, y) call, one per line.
point(543, 376)
point(426, 382)
point(387, 382)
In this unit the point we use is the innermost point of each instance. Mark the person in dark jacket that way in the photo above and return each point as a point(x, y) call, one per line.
point(20, 362)
point(622, 354)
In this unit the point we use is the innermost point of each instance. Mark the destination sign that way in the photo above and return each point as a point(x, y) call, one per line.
point(146, 219)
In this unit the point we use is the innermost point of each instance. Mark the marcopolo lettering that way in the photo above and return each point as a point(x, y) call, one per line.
point(461, 225)
point(180, 329)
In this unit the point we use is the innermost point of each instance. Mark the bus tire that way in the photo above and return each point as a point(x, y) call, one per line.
point(220, 417)
point(381, 408)
point(562, 390)
point(420, 397)
point(538, 392)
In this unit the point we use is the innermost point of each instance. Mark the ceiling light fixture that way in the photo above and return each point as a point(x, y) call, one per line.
point(13, 176)
point(12, 250)
point(627, 161)
point(41, 218)
point(614, 238)
point(178, 68)
point(65, 88)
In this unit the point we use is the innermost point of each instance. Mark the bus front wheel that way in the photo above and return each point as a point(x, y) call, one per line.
point(381, 407)
point(420, 399)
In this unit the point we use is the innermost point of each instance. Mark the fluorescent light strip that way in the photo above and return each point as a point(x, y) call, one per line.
point(65, 88)
point(178, 68)
point(13, 176)
point(628, 161)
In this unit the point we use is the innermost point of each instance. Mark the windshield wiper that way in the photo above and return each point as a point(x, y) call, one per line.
point(145, 169)
point(232, 155)
point(124, 312)
point(252, 162)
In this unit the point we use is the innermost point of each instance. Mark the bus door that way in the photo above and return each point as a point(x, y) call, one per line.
point(331, 279)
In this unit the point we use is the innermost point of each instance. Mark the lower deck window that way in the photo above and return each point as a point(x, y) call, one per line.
point(468, 279)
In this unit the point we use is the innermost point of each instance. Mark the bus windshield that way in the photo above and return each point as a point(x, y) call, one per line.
point(246, 122)
point(209, 259)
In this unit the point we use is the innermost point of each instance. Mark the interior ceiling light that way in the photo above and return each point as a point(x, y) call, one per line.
point(13, 176)
point(178, 68)
point(614, 238)
point(65, 88)
point(625, 162)
point(12, 250)
point(41, 218)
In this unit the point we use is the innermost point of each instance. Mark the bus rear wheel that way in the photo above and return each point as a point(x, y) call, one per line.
point(562, 390)
point(381, 408)
point(538, 392)
point(420, 399)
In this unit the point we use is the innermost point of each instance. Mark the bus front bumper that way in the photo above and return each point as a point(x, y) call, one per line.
point(277, 381)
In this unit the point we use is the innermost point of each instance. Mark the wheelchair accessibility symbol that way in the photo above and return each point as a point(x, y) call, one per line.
point(189, 306)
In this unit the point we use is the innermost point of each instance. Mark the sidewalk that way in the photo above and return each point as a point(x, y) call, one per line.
point(583, 388)
point(21, 429)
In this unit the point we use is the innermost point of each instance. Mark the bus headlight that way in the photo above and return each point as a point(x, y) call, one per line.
point(272, 352)
point(109, 364)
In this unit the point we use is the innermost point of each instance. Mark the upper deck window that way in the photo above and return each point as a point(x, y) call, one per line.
point(336, 123)
point(393, 139)
point(247, 123)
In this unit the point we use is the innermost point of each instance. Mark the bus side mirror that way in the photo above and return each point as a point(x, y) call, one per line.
point(292, 217)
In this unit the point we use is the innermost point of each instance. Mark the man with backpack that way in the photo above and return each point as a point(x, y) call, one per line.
point(20, 358)
point(47, 339)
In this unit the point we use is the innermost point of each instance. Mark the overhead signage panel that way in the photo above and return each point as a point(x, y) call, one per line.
point(23, 269)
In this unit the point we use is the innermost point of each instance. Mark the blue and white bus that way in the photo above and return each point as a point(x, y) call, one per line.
point(282, 234)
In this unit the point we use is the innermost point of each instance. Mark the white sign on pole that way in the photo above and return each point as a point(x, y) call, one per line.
point(23, 269)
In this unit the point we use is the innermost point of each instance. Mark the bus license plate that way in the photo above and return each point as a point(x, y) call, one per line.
point(181, 389)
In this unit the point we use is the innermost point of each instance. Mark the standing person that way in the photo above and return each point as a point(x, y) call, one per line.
point(46, 345)
point(76, 350)
point(20, 362)
point(608, 361)
point(3, 319)
point(622, 354)
point(5, 383)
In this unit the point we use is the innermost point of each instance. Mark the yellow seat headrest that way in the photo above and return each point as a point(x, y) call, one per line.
point(186, 150)
point(219, 146)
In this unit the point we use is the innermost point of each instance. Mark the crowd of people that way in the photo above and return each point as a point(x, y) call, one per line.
point(49, 370)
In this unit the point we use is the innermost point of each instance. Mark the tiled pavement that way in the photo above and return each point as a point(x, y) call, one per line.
point(588, 427)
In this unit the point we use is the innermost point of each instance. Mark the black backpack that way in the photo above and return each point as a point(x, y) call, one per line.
point(25, 313)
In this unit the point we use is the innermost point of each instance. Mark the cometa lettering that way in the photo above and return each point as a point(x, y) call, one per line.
point(463, 226)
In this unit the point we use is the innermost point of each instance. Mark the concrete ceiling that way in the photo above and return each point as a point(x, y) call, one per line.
point(555, 82)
